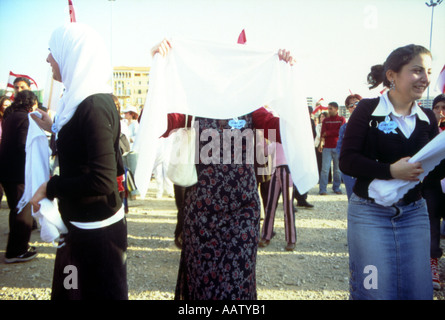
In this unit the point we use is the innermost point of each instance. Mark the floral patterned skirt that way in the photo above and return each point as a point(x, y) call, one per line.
point(220, 235)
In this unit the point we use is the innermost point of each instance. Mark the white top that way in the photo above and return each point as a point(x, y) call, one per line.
point(318, 135)
point(132, 131)
point(406, 124)
point(36, 173)
point(119, 215)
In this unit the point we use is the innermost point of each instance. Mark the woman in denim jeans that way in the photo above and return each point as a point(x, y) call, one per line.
point(351, 103)
point(389, 246)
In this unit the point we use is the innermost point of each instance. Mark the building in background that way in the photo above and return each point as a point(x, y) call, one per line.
point(310, 102)
point(130, 85)
point(425, 102)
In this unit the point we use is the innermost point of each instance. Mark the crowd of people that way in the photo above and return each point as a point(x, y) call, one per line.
point(218, 222)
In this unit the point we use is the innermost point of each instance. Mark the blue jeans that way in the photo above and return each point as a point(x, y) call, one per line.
point(349, 184)
point(389, 251)
point(328, 155)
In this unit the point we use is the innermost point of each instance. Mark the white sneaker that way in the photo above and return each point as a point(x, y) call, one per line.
point(28, 255)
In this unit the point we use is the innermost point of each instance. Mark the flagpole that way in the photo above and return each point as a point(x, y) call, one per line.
point(50, 94)
point(431, 5)
point(7, 82)
point(111, 41)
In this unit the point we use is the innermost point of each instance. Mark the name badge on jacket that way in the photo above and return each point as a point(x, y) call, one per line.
point(236, 123)
point(388, 126)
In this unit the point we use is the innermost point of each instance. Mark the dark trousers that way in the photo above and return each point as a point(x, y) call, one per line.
point(180, 202)
point(20, 225)
point(280, 183)
point(435, 201)
point(92, 264)
point(300, 197)
point(264, 192)
point(1, 194)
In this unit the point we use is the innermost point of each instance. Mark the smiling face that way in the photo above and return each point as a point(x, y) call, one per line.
point(55, 67)
point(412, 80)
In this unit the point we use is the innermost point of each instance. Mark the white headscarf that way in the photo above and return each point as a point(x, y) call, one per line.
point(84, 64)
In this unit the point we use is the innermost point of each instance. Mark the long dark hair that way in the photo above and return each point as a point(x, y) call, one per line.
point(2, 108)
point(24, 100)
point(395, 61)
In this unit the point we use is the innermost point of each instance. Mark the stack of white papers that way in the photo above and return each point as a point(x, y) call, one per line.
point(388, 192)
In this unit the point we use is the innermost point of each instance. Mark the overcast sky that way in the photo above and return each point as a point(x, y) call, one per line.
point(336, 42)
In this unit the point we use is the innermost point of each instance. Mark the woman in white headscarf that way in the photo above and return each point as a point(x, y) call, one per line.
point(87, 127)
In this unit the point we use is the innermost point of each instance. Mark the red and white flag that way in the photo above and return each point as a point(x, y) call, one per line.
point(72, 13)
point(13, 76)
point(319, 106)
point(441, 81)
point(242, 37)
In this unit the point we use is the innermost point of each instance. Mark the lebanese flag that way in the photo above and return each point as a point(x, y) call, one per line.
point(13, 76)
point(72, 13)
point(319, 106)
point(242, 37)
point(441, 81)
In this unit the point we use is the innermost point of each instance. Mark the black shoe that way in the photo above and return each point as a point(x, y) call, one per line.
point(263, 243)
point(28, 255)
point(305, 204)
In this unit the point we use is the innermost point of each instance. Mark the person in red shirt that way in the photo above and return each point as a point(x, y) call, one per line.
point(329, 136)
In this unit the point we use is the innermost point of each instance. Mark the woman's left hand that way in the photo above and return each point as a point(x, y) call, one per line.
point(286, 56)
point(38, 196)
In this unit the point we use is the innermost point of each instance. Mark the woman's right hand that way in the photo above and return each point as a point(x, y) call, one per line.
point(39, 195)
point(45, 122)
point(162, 48)
point(405, 170)
point(286, 56)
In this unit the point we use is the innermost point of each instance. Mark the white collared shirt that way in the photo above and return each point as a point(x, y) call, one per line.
point(406, 124)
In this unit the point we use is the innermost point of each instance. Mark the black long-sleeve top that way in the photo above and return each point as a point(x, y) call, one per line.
point(367, 152)
point(12, 148)
point(89, 160)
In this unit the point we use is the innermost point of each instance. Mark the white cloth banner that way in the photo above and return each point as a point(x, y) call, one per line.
point(223, 81)
point(388, 192)
point(36, 173)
